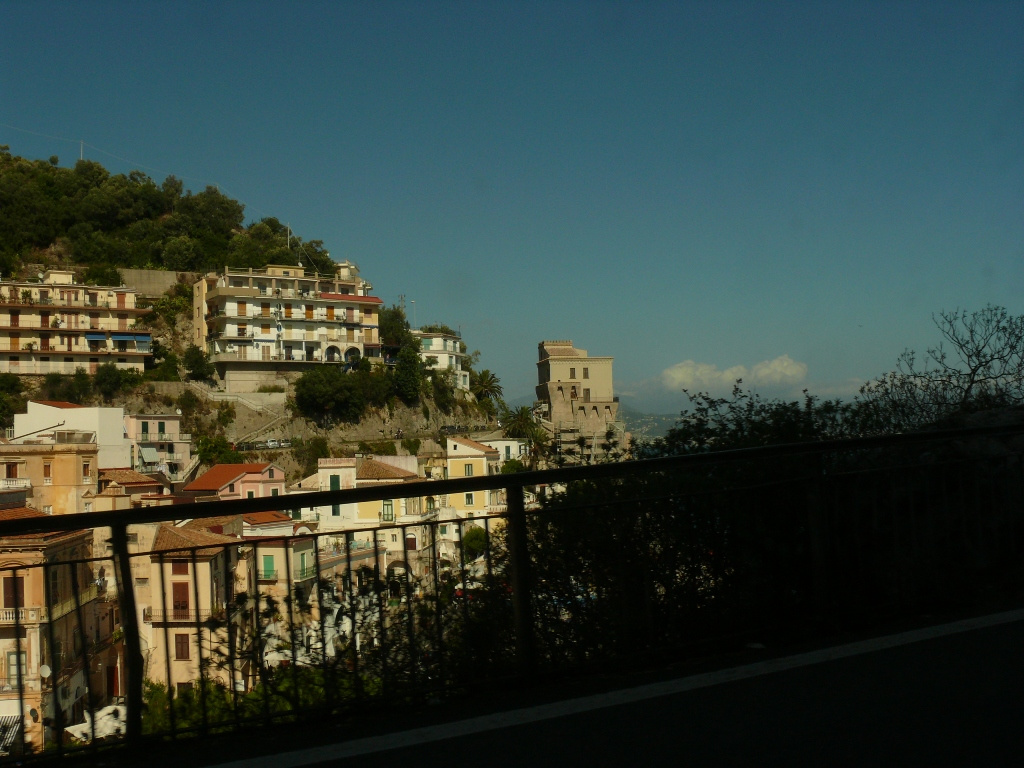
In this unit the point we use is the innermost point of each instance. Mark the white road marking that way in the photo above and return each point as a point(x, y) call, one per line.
point(498, 720)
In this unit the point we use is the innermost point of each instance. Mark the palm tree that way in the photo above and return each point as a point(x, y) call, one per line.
point(485, 385)
point(520, 423)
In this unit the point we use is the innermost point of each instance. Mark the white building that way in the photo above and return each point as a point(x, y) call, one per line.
point(440, 351)
point(48, 421)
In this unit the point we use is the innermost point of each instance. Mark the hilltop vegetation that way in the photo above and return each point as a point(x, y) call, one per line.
point(87, 217)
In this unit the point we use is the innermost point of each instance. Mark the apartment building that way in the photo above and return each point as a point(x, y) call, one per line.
point(440, 351)
point(46, 587)
point(52, 421)
point(468, 458)
point(54, 325)
point(157, 444)
point(189, 565)
point(57, 477)
point(258, 325)
point(238, 481)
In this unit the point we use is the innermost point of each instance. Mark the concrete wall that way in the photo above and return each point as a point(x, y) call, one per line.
point(154, 282)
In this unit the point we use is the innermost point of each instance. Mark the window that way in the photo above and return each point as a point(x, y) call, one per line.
point(431, 504)
point(508, 451)
point(443, 530)
point(586, 395)
point(14, 591)
point(394, 538)
point(180, 689)
point(47, 473)
point(387, 512)
point(181, 646)
point(179, 567)
point(48, 509)
point(161, 427)
point(88, 506)
point(468, 470)
point(14, 662)
point(87, 471)
point(469, 499)
point(179, 601)
point(273, 491)
point(410, 542)
point(270, 473)
point(231, 487)
point(250, 494)
point(268, 567)
point(586, 373)
point(572, 373)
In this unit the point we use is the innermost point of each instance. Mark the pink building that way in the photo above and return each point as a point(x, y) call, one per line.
point(239, 481)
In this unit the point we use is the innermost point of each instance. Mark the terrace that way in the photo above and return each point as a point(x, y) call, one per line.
point(632, 566)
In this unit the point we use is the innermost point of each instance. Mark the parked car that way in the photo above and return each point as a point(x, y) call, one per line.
point(260, 445)
point(273, 443)
point(286, 443)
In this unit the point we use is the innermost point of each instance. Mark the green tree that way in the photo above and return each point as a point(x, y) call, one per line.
point(408, 376)
point(513, 466)
point(108, 381)
point(485, 385)
point(394, 330)
point(197, 364)
point(474, 542)
point(978, 364)
point(217, 450)
point(325, 394)
point(308, 452)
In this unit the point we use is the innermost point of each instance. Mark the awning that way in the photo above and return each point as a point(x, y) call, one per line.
point(149, 455)
point(96, 336)
point(145, 338)
point(123, 336)
point(9, 727)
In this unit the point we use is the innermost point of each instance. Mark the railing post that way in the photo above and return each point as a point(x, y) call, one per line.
point(519, 571)
point(130, 623)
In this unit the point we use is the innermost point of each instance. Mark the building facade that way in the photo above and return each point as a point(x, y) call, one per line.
point(576, 398)
point(51, 421)
point(157, 444)
point(259, 325)
point(443, 351)
point(55, 325)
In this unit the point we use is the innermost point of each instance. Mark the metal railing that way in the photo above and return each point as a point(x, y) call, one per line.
point(628, 563)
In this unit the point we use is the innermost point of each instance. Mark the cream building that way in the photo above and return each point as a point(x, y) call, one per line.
point(55, 325)
point(258, 325)
point(42, 604)
point(58, 478)
point(576, 398)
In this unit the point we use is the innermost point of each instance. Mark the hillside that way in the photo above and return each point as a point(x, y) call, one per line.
point(88, 218)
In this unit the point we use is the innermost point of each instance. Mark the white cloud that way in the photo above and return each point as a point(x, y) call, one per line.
point(783, 371)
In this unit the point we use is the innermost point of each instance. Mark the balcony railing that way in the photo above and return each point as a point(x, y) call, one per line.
point(633, 562)
point(15, 483)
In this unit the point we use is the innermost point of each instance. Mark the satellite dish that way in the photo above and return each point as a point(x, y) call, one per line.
point(40, 275)
point(44, 671)
point(178, 411)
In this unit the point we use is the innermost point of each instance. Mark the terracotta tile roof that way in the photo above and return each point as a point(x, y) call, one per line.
point(17, 513)
point(57, 403)
point(220, 475)
point(125, 476)
point(376, 470)
point(262, 518)
point(206, 523)
point(180, 541)
point(473, 444)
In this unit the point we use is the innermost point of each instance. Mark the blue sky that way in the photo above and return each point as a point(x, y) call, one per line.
point(785, 191)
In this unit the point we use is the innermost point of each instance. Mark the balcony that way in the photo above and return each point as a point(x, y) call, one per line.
point(15, 483)
point(636, 562)
point(165, 437)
